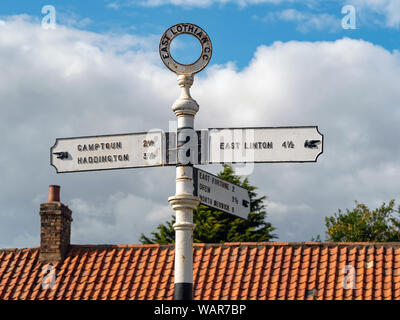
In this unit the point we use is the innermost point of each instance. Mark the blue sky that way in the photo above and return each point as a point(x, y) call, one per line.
point(237, 28)
point(275, 63)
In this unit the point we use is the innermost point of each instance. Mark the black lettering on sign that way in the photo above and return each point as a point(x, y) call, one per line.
point(204, 188)
point(230, 145)
point(288, 144)
point(206, 200)
point(164, 42)
point(204, 176)
point(148, 143)
point(258, 145)
point(99, 146)
point(149, 156)
point(221, 205)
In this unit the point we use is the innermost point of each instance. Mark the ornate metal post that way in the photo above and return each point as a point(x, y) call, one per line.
point(185, 109)
point(184, 202)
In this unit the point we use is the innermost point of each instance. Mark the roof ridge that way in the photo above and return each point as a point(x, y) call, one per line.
point(300, 243)
point(18, 249)
point(116, 246)
point(224, 244)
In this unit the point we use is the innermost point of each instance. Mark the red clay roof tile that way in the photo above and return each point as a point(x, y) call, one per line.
point(221, 271)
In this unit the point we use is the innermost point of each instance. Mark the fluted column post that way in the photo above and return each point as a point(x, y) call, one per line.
point(183, 202)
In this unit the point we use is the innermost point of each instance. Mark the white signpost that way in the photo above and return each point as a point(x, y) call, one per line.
point(185, 148)
point(221, 194)
point(253, 145)
point(281, 144)
point(133, 150)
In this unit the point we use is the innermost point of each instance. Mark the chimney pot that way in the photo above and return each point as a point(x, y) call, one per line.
point(55, 229)
point(54, 193)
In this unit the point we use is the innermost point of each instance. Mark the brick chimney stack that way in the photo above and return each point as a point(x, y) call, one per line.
point(55, 228)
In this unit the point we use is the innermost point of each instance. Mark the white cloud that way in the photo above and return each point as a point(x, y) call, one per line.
point(306, 21)
point(72, 20)
point(118, 218)
point(198, 3)
point(381, 12)
point(113, 5)
point(349, 89)
point(22, 240)
point(281, 216)
point(384, 13)
point(68, 82)
point(389, 9)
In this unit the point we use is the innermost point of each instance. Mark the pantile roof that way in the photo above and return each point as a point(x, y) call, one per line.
point(262, 271)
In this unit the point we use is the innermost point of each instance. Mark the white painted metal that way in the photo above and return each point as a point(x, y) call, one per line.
point(280, 144)
point(184, 202)
point(221, 194)
point(107, 152)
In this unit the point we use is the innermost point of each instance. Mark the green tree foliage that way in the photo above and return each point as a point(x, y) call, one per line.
point(213, 226)
point(364, 225)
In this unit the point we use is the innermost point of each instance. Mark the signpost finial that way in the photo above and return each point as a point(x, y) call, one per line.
point(191, 29)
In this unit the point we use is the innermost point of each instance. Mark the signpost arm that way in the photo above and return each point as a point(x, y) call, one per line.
point(184, 202)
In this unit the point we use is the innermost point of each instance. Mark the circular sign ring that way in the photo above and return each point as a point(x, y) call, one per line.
point(191, 29)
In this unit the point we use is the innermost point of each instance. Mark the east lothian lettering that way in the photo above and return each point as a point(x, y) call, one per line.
point(185, 28)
